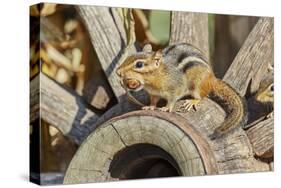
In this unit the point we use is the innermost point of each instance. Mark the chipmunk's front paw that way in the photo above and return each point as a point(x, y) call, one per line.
point(148, 108)
point(165, 109)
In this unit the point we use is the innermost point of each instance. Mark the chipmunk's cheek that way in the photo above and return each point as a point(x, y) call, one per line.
point(132, 84)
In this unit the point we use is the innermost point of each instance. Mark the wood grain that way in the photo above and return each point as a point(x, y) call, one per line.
point(34, 98)
point(232, 151)
point(165, 130)
point(253, 58)
point(108, 39)
point(190, 28)
point(262, 138)
point(64, 109)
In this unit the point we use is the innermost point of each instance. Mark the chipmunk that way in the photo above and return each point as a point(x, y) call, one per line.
point(260, 105)
point(178, 71)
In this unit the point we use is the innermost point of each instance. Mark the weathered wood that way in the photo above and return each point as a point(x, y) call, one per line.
point(96, 89)
point(64, 109)
point(262, 138)
point(253, 58)
point(229, 154)
point(233, 151)
point(190, 28)
point(34, 98)
point(97, 93)
point(165, 130)
point(108, 39)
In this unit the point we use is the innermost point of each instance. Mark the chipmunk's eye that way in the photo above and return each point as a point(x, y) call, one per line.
point(139, 64)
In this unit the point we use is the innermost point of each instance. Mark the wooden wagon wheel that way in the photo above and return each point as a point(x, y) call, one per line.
point(97, 158)
point(142, 144)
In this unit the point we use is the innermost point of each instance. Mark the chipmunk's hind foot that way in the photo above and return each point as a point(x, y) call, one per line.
point(190, 103)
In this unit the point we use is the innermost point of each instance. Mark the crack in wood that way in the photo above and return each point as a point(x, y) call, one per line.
point(118, 135)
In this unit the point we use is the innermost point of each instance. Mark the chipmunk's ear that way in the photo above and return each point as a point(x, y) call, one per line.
point(158, 54)
point(158, 57)
point(147, 48)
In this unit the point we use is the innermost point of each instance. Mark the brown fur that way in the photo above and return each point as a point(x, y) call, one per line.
point(232, 103)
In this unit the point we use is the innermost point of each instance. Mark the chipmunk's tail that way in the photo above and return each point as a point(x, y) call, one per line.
point(233, 104)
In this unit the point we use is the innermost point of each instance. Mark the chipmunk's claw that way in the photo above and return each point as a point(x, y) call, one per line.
point(190, 103)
